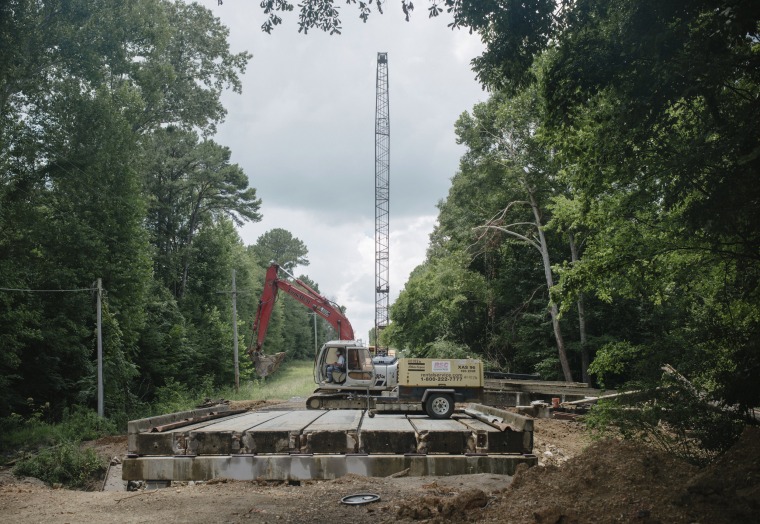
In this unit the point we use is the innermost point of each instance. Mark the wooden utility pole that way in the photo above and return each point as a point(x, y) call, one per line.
point(100, 350)
point(235, 332)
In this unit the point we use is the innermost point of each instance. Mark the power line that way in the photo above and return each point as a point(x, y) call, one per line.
point(49, 290)
point(99, 288)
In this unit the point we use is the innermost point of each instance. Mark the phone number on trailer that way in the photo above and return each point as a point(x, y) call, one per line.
point(440, 377)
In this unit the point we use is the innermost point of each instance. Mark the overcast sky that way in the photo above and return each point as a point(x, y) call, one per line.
point(303, 131)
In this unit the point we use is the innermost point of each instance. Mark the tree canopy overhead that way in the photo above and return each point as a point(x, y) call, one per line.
point(514, 32)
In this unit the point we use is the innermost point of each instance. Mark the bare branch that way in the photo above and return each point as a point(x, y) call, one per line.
point(512, 233)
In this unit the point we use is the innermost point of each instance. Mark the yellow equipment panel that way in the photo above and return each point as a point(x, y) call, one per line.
point(433, 372)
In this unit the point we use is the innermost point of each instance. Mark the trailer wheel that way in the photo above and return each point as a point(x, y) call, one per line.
point(439, 405)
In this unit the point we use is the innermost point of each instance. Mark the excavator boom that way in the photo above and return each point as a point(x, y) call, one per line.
point(304, 294)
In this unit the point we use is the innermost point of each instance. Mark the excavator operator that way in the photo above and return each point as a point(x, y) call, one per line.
point(338, 365)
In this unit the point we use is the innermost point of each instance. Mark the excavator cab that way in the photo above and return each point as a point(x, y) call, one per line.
point(358, 372)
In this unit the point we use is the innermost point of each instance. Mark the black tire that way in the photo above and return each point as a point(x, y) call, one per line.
point(439, 405)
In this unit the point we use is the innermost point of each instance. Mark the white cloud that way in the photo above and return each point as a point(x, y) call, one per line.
point(303, 131)
point(342, 256)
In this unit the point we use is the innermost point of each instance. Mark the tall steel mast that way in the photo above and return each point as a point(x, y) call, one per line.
point(382, 193)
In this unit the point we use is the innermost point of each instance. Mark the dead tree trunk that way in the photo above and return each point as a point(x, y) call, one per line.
point(553, 310)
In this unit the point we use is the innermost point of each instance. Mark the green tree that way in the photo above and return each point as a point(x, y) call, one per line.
point(442, 300)
point(189, 183)
point(281, 247)
point(664, 176)
point(501, 135)
point(87, 225)
point(185, 64)
point(82, 84)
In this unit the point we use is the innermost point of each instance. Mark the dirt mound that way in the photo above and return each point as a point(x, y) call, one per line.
point(610, 481)
point(729, 488)
point(614, 481)
point(454, 508)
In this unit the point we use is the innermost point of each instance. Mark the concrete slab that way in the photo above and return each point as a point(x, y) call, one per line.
point(171, 442)
point(490, 440)
point(226, 436)
point(281, 434)
point(515, 421)
point(313, 444)
point(320, 467)
point(145, 424)
point(334, 432)
point(387, 434)
point(113, 480)
point(441, 436)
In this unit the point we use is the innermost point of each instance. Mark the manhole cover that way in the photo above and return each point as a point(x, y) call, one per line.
point(360, 498)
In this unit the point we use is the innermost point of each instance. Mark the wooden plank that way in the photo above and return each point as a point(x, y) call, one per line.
point(334, 432)
point(542, 387)
point(387, 434)
point(539, 383)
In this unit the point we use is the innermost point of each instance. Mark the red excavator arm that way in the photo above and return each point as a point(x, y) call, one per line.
point(306, 296)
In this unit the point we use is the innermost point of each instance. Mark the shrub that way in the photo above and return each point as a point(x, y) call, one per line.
point(83, 424)
point(173, 397)
point(21, 433)
point(670, 417)
point(64, 464)
point(446, 349)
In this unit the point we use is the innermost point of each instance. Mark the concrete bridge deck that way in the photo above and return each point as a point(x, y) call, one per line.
point(314, 444)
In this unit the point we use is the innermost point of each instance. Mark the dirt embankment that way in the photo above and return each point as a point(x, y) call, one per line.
point(607, 481)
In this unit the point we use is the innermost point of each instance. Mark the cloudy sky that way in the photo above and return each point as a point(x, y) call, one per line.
point(303, 131)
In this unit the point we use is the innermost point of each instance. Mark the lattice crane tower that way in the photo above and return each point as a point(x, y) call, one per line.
point(382, 193)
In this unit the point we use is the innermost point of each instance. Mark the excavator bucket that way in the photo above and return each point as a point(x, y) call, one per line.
point(266, 364)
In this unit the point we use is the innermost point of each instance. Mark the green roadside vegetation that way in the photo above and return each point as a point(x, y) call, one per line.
point(293, 379)
point(51, 451)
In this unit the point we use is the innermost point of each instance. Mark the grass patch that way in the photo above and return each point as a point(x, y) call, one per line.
point(295, 378)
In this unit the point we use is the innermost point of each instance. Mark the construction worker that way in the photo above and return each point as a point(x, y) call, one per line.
point(338, 365)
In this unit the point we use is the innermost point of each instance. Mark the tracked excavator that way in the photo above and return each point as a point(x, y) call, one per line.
point(267, 364)
point(379, 384)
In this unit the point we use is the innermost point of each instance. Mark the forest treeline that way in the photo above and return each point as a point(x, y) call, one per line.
point(108, 170)
point(605, 218)
point(603, 222)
